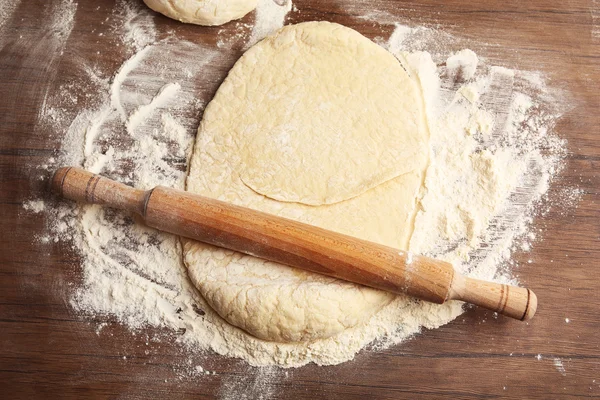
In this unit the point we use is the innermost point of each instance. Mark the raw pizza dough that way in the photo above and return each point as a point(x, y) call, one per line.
point(318, 124)
point(203, 12)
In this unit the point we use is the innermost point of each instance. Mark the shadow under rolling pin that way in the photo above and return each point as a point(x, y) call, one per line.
point(295, 244)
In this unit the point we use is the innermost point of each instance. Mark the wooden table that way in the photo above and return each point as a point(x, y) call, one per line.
point(46, 351)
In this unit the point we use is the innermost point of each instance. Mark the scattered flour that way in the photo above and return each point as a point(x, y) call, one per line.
point(462, 65)
point(7, 9)
point(270, 15)
point(135, 24)
point(409, 257)
point(160, 100)
point(63, 20)
point(252, 386)
point(59, 29)
point(493, 157)
point(35, 206)
point(558, 364)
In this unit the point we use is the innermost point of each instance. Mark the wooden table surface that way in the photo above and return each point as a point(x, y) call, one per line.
point(47, 351)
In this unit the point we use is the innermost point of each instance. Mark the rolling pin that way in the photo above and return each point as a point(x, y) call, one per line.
point(295, 244)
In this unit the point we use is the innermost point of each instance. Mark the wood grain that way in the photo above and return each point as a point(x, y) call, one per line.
point(47, 351)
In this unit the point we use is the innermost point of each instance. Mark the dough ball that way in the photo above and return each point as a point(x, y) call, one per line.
point(203, 12)
point(317, 124)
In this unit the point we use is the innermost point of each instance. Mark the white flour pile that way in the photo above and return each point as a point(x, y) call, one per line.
point(493, 157)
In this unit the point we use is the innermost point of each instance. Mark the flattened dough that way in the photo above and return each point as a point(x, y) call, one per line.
point(272, 301)
point(203, 12)
point(325, 115)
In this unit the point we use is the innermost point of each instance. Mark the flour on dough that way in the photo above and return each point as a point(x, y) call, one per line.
point(323, 115)
point(203, 12)
point(317, 124)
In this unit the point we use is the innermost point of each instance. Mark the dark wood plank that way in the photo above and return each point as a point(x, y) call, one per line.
point(46, 351)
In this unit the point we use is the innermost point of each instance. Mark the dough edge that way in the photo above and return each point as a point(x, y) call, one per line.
point(203, 12)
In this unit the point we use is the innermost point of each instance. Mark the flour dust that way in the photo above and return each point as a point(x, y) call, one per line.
point(270, 16)
point(7, 9)
point(493, 156)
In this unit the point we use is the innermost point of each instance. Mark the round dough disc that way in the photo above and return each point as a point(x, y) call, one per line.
point(203, 12)
point(279, 88)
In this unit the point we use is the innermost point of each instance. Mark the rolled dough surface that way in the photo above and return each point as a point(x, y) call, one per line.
point(333, 115)
point(317, 124)
point(203, 12)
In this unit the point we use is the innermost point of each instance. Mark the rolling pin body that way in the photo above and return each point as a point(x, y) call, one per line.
point(296, 244)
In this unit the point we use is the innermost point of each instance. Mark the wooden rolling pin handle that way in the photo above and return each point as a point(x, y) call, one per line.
point(512, 301)
point(296, 244)
point(80, 185)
